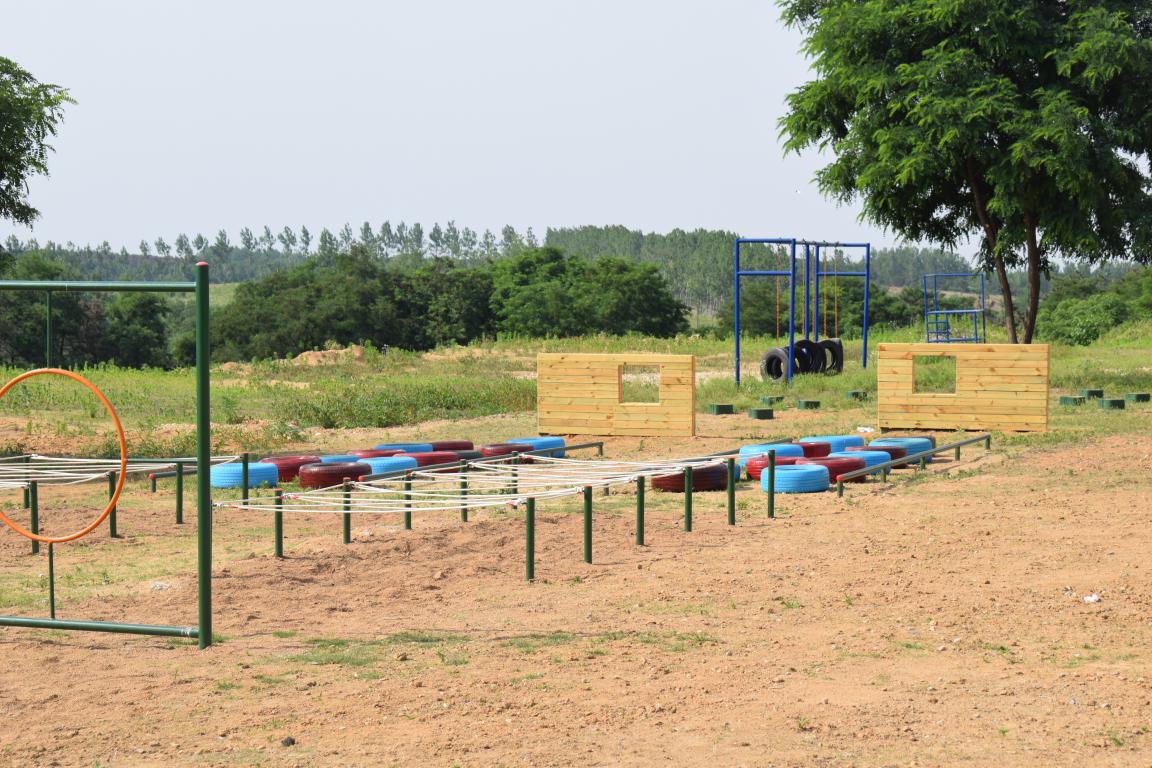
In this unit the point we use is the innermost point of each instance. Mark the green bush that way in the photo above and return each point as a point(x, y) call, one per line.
point(1081, 321)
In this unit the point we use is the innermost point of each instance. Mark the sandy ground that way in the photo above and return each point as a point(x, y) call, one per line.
point(938, 621)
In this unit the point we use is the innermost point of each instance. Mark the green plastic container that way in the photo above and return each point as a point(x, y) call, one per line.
point(1092, 394)
point(808, 405)
point(855, 394)
point(1071, 400)
point(1138, 397)
point(1111, 403)
point(761, 414)
point(717, 409)
point(772, 399)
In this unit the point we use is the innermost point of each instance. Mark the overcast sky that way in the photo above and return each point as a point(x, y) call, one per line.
point(192, 117)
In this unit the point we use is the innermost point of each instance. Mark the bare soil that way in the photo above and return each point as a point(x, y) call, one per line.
point(935, 620)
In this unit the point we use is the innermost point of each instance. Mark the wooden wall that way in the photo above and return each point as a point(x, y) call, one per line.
point(998, 386)
point(580, 394)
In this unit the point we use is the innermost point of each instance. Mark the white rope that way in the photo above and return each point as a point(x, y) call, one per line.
point(69, 470)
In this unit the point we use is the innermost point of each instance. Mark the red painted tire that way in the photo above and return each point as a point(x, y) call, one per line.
point(816, 450)
point(504, 449)
point(432, 457)
point(757, 465)
point(451, 445)
point(325, 475)
point(289, 466)
point(839, 466)
point(703, 479)
point(375, 453)
point(893, 451)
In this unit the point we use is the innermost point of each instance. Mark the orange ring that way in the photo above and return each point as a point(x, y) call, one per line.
point(123, 457)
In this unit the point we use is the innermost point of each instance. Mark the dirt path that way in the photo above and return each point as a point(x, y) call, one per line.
point(934, 622)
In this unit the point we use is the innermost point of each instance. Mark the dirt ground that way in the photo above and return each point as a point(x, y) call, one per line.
point(935, 620)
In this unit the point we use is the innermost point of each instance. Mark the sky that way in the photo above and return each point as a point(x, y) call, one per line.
point(192, 117)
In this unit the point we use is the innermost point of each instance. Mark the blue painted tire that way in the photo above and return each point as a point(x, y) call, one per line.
point(231, 475)
point(910, 444)
point(798, 478)
point(539, 443)
point(333, 458)
point(406, 447)
point(382, 464)
point(747, 452)
point(838, 442)
point(871, 458)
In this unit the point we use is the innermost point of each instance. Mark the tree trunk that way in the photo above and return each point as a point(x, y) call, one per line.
point(990, 236)
point(1033, 278)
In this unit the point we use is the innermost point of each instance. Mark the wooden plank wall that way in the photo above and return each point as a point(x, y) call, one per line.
point(998, 386)
point(580, 394)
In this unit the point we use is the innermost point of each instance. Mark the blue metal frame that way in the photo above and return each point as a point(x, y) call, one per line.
point(937, 328)
point(811, 288)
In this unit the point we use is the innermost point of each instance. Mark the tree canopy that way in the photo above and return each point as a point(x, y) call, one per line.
point(30, 111)
point(1026, 122)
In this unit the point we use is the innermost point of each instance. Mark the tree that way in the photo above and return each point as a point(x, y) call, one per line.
point(1016, 120)
point(30, 112)
point(137, 333)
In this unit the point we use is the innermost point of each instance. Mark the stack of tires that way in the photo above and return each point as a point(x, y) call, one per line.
point(824, 356)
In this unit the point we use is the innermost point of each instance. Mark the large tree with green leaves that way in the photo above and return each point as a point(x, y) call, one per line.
point(1025, 122)
point(30, 111)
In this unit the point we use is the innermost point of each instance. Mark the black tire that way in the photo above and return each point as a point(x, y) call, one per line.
point(807, 357)
point(774, 365)
point(833, 352)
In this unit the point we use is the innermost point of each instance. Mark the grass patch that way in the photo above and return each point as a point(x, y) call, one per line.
point(534, 642)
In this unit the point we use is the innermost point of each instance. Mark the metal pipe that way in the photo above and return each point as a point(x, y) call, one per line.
point(587, 523)
point(112, 530)
point(791, 311)
point(346, 518)
point(51, 581)
point(867, 283)
point(179, 493)
point(688, 498)
point(771, 484)
point(34, 513)
point(95, 286)
point(730, 466)
point(464, 494)
point(48, 329)
point(244, 458)
point(919, 457)
point(407, 502)
point(203, 459)
point(736, 304)
point(278, 524)
point(99, 626)
point(640, 511)
point(530, 540)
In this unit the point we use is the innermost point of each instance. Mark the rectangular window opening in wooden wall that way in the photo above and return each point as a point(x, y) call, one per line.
point(934, 374)
point(639, 383)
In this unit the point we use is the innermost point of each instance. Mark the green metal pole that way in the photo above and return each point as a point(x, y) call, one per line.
point(923, 462)
point(771, 484)
point(407, 502)
point(957, 453)
point(99, 626)
point(152, 482)
point(587, 523)
point(48, 329)
point(34, 513)
point(530, 540)
point(51, 582)
point(278, 524)
point(730, 465)
point(464, 494)
point(179, 493)
point(347, 516)
point(244, 459)
point(988, 442)
point(640, 511)
point(203, 459)
point(112, 529)
point(688, 498)
point(884, 474)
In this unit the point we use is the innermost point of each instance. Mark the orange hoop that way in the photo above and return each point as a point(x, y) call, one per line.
point(123, 457)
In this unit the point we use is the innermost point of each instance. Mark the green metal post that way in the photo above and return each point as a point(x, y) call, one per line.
point(203, 459)
point(244, 459)
point(179, 493)
point(407, 502)
point(515, 480)
point(957, 453)
point(730, 466)
point(346, 518)
point(34, 513)
point(464, 494)
point(530, 540)
point(48, 329)
point(640, 511)
point(51, 582)
point(988, 442)
point(112, 530)
point(688, 498)
point(839, 489)
point(587, 523)
point(278, 523)
point(923, 462)
point(771, 484)
point(884, 474)
point(152, 482)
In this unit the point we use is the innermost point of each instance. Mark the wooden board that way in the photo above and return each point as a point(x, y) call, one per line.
point(998, 386)
point(580, 394)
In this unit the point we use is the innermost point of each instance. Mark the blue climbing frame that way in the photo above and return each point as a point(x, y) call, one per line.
point(811, 288)
point(937, 327)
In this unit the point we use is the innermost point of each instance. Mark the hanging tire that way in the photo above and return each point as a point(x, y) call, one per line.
point(710, 478)
point(289, 466)
point(809, 358)
point(832, 350)
point(327, 475)
point(774, 364)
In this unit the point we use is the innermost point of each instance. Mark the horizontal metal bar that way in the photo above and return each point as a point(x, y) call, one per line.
point(911, 457)
point(767, 240)
point(842, 274)
point(99, 286)
point(763, 272)
point(100, 626)
point(954, 274)
point(954, 312)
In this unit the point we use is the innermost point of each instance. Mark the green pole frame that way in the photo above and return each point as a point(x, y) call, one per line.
point(587, 523)
point(34, 513)
point(278, 524)
point(530, 540)
point(640, 511)
point(203, 459)
point(688, 499)
point(730, 466)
